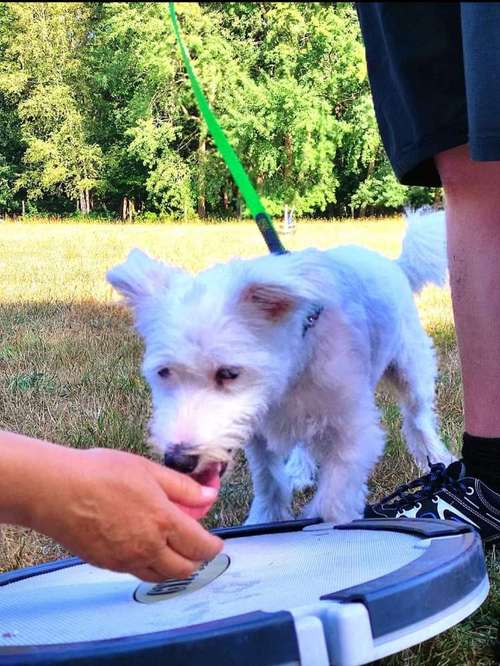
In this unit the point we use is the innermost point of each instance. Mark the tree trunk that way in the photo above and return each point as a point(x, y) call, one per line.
point(259, 181)
point(202, 185)
point(128, 209)
point(289, 158)
point(87, 202)
point(364, 205)
point(83, 203)
point(23, 207)
point(202, 158)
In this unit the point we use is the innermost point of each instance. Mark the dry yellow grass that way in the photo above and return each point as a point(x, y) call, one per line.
point(69, 362)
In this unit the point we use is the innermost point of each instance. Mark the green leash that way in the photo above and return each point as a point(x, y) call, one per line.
point(259, 213)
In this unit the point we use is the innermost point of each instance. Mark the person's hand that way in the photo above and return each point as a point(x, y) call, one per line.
point(123, 512)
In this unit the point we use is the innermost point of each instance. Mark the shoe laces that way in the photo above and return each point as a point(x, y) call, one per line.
point(438, 477)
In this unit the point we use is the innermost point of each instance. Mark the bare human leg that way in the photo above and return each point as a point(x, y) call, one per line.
point(472, 191)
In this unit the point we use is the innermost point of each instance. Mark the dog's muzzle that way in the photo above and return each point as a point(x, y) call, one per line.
point(179, 461)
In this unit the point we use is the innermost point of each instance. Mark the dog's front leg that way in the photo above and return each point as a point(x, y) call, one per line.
point(345, 463)
point(341, 493)
point(272, 488)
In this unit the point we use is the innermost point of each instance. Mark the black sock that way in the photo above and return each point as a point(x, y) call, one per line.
point(481, 456)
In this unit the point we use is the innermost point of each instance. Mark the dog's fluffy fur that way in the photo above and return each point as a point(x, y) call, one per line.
point(296, 383)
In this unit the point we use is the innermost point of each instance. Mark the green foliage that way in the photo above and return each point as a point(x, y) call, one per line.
point(42, 73)
point(6, 190)
point(96, 111)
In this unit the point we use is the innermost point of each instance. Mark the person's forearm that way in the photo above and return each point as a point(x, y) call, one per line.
point(25, 464)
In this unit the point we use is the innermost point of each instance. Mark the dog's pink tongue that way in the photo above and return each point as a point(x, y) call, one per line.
point(210, 476)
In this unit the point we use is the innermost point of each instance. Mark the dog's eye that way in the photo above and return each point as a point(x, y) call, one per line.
point(225, 374)
point(164, 372)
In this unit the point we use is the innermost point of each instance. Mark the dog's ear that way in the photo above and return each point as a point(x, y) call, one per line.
point(140, 276)
point(273, 301)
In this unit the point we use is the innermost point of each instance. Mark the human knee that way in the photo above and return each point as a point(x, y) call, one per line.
point(455, 170)
point(463, 177)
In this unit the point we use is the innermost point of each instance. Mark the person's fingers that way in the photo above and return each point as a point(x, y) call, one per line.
point(172, 565)
point(197, 512)
point(189, 539)
point(182, 488)
point(148, 575)
point(168, 565)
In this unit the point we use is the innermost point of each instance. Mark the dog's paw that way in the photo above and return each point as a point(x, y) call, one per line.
point(260, 514)
point(443, 455)
point(330, 513)
point(301, 469)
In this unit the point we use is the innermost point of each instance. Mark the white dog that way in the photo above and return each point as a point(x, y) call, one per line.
point(268, 352)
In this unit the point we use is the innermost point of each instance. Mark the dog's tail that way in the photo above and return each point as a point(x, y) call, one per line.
point(423, 256)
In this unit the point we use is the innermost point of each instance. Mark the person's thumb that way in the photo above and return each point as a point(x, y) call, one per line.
point(184, 490)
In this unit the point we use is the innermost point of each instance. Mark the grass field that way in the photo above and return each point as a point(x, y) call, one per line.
point(69, 366)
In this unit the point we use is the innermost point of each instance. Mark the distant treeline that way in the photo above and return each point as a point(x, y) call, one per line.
point(97, 114)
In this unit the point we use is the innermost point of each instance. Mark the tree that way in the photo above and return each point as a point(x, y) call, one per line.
point(42, 72)
point(10, 139)
point(96, 110)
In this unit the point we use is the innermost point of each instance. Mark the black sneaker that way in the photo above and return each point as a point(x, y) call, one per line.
point(445, 493)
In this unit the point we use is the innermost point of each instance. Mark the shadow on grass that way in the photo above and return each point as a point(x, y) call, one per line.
point(70, 372)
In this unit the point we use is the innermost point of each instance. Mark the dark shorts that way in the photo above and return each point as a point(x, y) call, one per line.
point(434, 70)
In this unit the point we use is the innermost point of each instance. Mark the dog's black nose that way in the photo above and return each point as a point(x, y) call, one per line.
point(180, 461)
